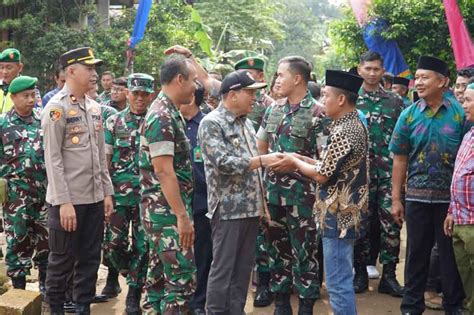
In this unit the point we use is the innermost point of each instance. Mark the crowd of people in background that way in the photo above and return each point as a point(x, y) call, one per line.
point(188, 186)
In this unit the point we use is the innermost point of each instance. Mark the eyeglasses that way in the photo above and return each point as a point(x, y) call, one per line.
point(117, 89)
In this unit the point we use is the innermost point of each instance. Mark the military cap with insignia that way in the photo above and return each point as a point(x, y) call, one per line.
point(22, 83)
point(433, 64)
point(10, 55)
point(256, 63)
point(140, 82)
point(83, 55)
point(343, 80)
point(401, 81)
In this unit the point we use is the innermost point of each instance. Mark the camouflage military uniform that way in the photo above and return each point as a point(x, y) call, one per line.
point(25, 213)
point(103, 97)
point(107, 111)
point(171, 272)
point(292, 230)
point(262, 259)
point(381, 108)
point(122, 142)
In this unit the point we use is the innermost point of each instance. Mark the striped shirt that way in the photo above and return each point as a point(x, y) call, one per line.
point(462, 186)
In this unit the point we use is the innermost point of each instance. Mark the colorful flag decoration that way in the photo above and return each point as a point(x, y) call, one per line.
point(461, 42)
point(372, 29)
point(144, 7)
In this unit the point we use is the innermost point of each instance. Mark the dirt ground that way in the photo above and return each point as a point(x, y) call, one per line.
point(369, 303)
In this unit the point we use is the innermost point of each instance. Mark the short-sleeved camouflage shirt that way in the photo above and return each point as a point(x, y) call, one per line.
point(163, 133)
point(122, 142)
point(22, 155)
point(296, 128)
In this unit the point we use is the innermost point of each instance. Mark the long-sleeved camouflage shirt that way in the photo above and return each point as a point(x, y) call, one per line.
point(381, 109)
point(228, 143)
point(22, 156)
point(122, 142)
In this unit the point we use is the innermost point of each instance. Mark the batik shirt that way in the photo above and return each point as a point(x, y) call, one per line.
point(163, 133)
point(228, 144)
point(341, 203)
point(122, 143)
point(431, 141)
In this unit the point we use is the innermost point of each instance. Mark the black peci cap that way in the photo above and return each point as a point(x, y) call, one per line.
point(344, 80)
point(433, 64)
point(401, 81)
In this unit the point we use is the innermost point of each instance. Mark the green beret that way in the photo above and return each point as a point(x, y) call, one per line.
point(10, 55)
point(22, 83)
point(140, 82)
point(256, 63)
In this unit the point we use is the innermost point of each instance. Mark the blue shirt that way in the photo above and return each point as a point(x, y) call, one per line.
point(200, 186)
point(49, 96)
point(431, 141)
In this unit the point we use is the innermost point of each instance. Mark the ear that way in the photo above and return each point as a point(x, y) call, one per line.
point(20, 67)
point(341, 99)
point(443, 82)
point(179, 79)
point(297, 79)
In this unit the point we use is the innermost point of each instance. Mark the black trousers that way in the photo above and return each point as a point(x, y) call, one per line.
point(77, 252)
point(203, 258)
point(424, 223)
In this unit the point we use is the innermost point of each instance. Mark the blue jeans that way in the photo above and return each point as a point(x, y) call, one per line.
point(338, 257)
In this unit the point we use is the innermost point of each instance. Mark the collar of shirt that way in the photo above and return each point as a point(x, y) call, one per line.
point(198, 117)
point(423, 105)
point(228, 115)
point(27, 119)
point(380, 92)
point(347, 117)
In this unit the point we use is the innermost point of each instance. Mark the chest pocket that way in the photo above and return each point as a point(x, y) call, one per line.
point(12, 143)
point(302, 123)
point(124, 145)
point(274, 119)
point(182, 144)
point(76, 136)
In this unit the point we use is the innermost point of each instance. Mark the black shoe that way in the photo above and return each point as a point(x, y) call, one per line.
point(19, 282)
point(83, 309)
point(132, 303)
point(388, 283)
point(112, 286)
point(100, 298)
point(198, 311)
point(69, 307)
point(42, 281)
point(282, 304)
point(263, 297)
point(306, 306)
point(361, 279)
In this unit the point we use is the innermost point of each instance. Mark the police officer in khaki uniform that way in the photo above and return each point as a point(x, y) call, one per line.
point(79, 186)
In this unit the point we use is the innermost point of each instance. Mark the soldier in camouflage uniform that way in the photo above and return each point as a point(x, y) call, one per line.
point(292, 124)
point(166, 182)
point(381, 108)
point(255, 66)
point(122, 140)
point(22, 166)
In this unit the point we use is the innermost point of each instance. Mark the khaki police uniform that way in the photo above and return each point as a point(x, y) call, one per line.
point(75, 160)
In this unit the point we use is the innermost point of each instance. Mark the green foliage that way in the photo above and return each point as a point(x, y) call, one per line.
point(244, 24)
point(419, 27)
